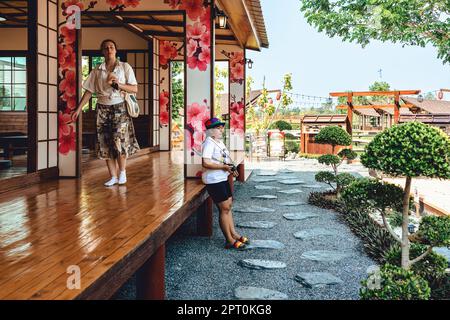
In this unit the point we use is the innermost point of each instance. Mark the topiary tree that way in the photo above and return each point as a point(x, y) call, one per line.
point(334, 136)
point(281, 125)
point(411, 150)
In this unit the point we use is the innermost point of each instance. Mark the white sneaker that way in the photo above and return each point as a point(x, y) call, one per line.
point(111, 182)
point(122, 177)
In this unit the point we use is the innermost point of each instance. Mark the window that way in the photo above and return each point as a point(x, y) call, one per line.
point(13, 84)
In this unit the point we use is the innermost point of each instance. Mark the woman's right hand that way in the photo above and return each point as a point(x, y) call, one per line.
point(227, 168)
point(75, 115)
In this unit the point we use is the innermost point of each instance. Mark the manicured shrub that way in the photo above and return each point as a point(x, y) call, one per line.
point(325, 200)
point(395, 219)
point(291, 146)
point(434, 231)
point(333, 135)
point(395, 283)
point(326, 177)
point(344, 179)
point(281, 125)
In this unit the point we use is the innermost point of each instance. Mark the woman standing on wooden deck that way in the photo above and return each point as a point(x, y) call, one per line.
point(217, 162)
point(116, 139)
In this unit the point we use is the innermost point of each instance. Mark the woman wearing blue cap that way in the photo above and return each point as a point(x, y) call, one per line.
point(218, 164)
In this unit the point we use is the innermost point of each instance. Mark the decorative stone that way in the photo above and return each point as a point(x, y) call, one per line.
point(264, 180)
point(267, 173)
point(265, 244)
point(265, 197)
point(266, 188)
point(312, 233)
point(258, 264)
point(286, 171)
point(317, 279)
point(291, 182)
point(253, 209)
point(299, 216)
point(257, 225)
point(255, 293)
point(291, 191)
point(292, 203)
point(324, 255)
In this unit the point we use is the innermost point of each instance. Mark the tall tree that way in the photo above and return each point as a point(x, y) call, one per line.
point(408, 22)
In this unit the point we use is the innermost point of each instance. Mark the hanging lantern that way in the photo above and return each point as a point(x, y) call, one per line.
point(420, 98)
point(221, 19)
point(278, 96)
point(440, 95)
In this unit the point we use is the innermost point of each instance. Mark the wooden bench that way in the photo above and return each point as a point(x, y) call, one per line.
point(51, 229)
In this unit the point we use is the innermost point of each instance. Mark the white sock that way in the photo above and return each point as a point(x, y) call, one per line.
point(122, 177)
point(111, 182)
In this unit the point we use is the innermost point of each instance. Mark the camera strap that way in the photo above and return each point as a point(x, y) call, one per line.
point(224, 151)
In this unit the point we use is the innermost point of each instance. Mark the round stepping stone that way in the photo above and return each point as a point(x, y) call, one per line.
point(255, 293)
point(267, 173)
point(291, 191)
point(265, 244)
point(258, 264)
point(286, 171)
point(265, 197)
point(257, 225)
point(317, 279)
point(254, 209)
point(292, 203)
point(299, 216)
point(264, 180)
point(312, 233)
point(266, 188)
point(290, 182)
point(324, 255)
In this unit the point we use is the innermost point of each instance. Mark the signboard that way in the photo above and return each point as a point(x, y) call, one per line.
point(276, 144)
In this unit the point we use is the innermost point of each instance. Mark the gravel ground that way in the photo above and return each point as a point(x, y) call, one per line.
point(199, 268)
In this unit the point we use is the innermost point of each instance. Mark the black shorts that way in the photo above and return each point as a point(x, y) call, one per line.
point(220, 191)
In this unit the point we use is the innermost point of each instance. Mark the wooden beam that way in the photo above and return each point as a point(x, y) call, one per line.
point(343, 107)
point(155, 22)
point(374, 93)
point(164, 33)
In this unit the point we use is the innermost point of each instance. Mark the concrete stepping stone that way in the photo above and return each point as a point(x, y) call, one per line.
point(256, 224)
point(266, 188)
point(258, 264)
point(299, 215)
point(265, 244)
point(267, 173)
point(312, 233)
point(264, 180)
point(291, 191)
point(317, 279)
point(253, 209)
point(324, 255)
point(291, 182)
point(255, 293)
point(265, 197)
point(292, 203)
point(286, 171)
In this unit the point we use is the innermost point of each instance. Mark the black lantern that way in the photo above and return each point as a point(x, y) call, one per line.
point(250, 63)
point(420, 98)
point(222, 19)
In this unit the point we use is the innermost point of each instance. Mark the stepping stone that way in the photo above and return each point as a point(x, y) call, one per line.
point(258, 264)
point(265, 197)
point(317, 279)
point(324, 255)
point(292, 203)
point(255, 293)
point(291, 191)
point(264, 180)
point(257, 225)
point(299, 216)
point(291, 182)
point(265, 244)
point(313, 186)
point(254, 209)
point(267, 173)
point(286, 171)
point(266, 188)
point(312, 233)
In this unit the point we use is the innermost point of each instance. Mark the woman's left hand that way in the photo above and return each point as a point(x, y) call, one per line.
point(112, 78)
point(235, 174)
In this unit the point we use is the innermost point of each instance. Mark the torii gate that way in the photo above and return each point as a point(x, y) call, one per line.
point(350, 107)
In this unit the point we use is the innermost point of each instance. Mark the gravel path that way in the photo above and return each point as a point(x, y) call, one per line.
point(199, 268)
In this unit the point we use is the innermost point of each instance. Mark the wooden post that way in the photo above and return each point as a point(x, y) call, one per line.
point(241, 171)
point(205, 219)
point(397, 107)
point(350, 111)
point(150, 284)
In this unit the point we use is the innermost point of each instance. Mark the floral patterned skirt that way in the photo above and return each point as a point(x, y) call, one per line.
point(115, 132)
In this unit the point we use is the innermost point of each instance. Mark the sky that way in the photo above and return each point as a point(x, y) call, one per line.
point(320, 65)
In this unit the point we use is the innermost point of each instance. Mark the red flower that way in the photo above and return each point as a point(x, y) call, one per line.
point(197, 115)
point(205, 56)
point(67, 142)
point(114, 3)
point(163, 100)
point(205, 40)
point(205, 19)
point(237, 57)
point(131, 3)
point(69, 3)
point(71, 103)
point(191, 47)
point(194, 62)
point(237, 120)
point(199, 174)
point(195, 31)
point(194, 8)
point(164, 118)
point(68, 85)
point(68, 34)
point(173, 3)
point(63, 120)
point(66, 57)
point(237, 72)
point(163, 61)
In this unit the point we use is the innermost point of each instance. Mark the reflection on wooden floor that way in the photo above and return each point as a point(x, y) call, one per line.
point(18, 168)
point(50, 226)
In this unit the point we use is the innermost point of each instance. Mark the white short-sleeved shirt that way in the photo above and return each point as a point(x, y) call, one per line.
point(97, 82)
point(214, 151)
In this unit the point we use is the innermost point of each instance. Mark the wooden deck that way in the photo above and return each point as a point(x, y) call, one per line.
point(109, 233)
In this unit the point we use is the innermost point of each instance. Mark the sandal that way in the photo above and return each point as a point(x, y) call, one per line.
point(244, 240)
point(238, 245)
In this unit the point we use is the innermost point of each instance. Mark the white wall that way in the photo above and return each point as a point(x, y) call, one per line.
point(92, 37)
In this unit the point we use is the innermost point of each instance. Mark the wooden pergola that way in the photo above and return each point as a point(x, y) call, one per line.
point(395, 94)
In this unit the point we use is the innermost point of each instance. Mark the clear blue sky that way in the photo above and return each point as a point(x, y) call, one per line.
point(320, 64)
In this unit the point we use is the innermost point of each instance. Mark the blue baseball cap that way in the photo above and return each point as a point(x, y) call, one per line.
point(213, 123)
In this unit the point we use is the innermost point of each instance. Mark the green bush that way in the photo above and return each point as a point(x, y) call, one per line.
point(431, 268)
point(325, 200)
point(281, 125)
point(329, 159)
point(310, 155)
point(333, 135)
point(292, 146)
point(344, 179)
point(434, 231)
point(326, 177)
point(395, 219)
point(396, 283)
point(289, 136)
point(348, 154)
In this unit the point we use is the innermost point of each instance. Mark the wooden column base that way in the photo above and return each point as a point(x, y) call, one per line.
point(241, 171)
point(205, 219)
point(150, 284)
